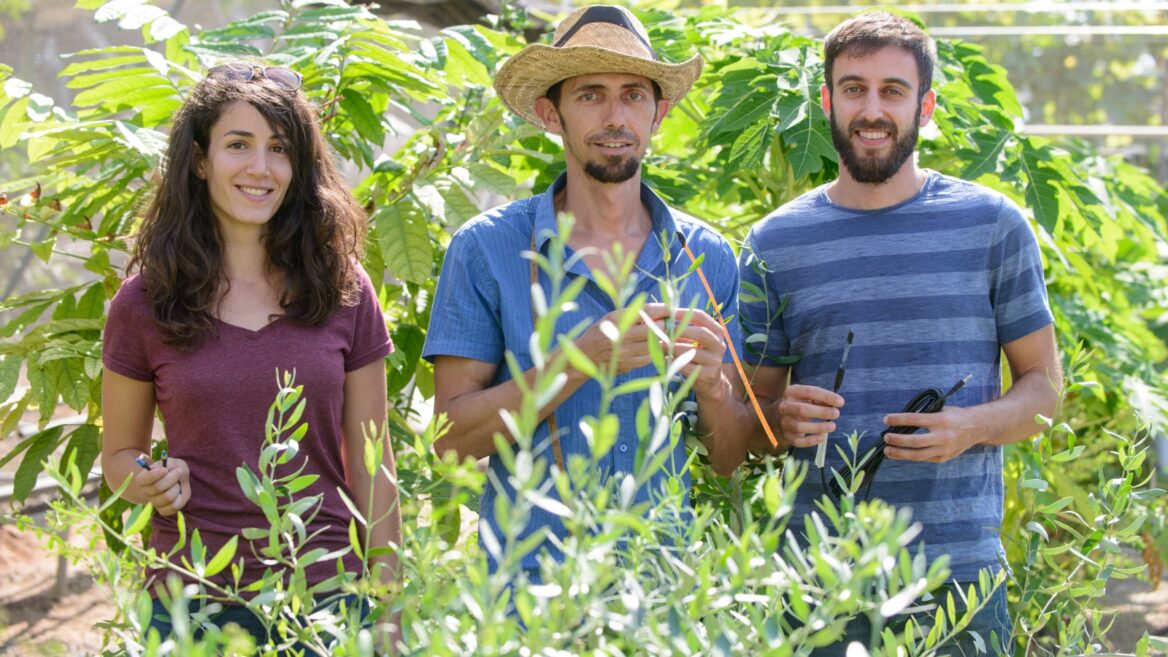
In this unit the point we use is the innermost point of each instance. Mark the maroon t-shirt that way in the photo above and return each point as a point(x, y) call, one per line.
point(214, 401)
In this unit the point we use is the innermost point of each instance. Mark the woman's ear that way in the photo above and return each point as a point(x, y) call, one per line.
point(200, 163)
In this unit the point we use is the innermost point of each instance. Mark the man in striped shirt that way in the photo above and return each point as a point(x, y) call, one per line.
point(936, 277)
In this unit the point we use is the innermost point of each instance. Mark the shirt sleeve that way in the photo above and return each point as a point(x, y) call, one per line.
point(759, 306)
point(465, 315)
point(1017, 286)
point(370, 337)
point(123, 348)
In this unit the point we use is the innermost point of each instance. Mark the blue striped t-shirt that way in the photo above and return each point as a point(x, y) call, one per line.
point(932, 287)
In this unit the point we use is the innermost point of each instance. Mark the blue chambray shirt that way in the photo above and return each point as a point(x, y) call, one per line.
point(482, 309)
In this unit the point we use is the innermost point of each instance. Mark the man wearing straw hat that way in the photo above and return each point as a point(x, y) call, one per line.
point(600, 88)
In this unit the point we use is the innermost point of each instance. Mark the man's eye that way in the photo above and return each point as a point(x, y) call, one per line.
point(636, 95)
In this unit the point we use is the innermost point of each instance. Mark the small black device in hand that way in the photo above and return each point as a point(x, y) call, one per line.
point(926, 401)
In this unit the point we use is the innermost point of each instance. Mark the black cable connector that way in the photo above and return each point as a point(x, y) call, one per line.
point(926, 401)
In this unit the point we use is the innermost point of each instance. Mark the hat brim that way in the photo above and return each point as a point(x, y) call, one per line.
point(526, 77)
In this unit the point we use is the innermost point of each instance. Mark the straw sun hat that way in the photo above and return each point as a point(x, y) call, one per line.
point(595, 39)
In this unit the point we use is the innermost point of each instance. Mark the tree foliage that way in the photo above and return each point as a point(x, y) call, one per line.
point(416, 120)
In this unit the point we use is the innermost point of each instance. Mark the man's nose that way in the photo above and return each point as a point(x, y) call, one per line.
point(614, 114)
point(872, 108)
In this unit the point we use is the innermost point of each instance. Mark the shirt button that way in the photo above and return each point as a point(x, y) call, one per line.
point(623, 448)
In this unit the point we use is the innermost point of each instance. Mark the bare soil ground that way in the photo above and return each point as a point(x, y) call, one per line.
point(34, 621)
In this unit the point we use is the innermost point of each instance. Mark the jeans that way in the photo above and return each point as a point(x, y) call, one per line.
point(993, 618)
point(247, 621)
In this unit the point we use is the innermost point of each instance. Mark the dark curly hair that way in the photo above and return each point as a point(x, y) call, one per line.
point(871, 31)
point(315, 239)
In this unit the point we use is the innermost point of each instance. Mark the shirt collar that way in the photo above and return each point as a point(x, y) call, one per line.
point(545, 212)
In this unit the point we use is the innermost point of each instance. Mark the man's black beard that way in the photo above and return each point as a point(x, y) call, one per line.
point(872, 169)
point(614, 172)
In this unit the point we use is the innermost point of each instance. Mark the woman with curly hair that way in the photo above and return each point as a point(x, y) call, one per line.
point(247, 264)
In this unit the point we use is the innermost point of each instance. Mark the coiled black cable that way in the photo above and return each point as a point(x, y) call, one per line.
point(931, 400)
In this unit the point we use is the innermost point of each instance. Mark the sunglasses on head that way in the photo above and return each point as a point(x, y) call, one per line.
point(284, 78)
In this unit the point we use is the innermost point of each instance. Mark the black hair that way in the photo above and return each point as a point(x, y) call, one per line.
point(874, 30)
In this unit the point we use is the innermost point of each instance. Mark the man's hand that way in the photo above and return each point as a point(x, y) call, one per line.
point(948, 434)
point(701, 335)
point(807, 414)
point(599, 340)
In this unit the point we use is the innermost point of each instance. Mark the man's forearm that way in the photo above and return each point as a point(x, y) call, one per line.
point(725, 425)
point(1011, 418)
point(759, 442)
point(476, 417)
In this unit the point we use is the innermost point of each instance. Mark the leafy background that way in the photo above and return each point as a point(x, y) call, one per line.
point(428, 145)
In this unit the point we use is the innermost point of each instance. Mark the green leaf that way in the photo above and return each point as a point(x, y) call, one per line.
point(408, 341)
point(985, 159)
point(139, 517)
point(404, 241)
point(40, 107)
point(355, 540)
point(578, 359)
point(32, 464)
point(361, 114)
point(222, 558)
point(809, 136)
point(1042, 196)
point(165, 28)
point(1059, 505)
point(749, 110)
point(217, 50)
point(447, 200)
point(13, 123)
point(82, 450)
point(482, 177)
point(750, 146)
point(463, 68)
point(91, 304)
point(141, 15)
point(990, 83)
point(335, 13)
point(15, 88)
point(111, 57)
point(66, 376)
point(9, 375)
point(300, 483)
point(145, 141)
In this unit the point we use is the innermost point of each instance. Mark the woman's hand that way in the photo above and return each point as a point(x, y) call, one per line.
point(166, 487)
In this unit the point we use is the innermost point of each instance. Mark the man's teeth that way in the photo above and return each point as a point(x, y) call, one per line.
point(873, 135)
point(611, 145)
